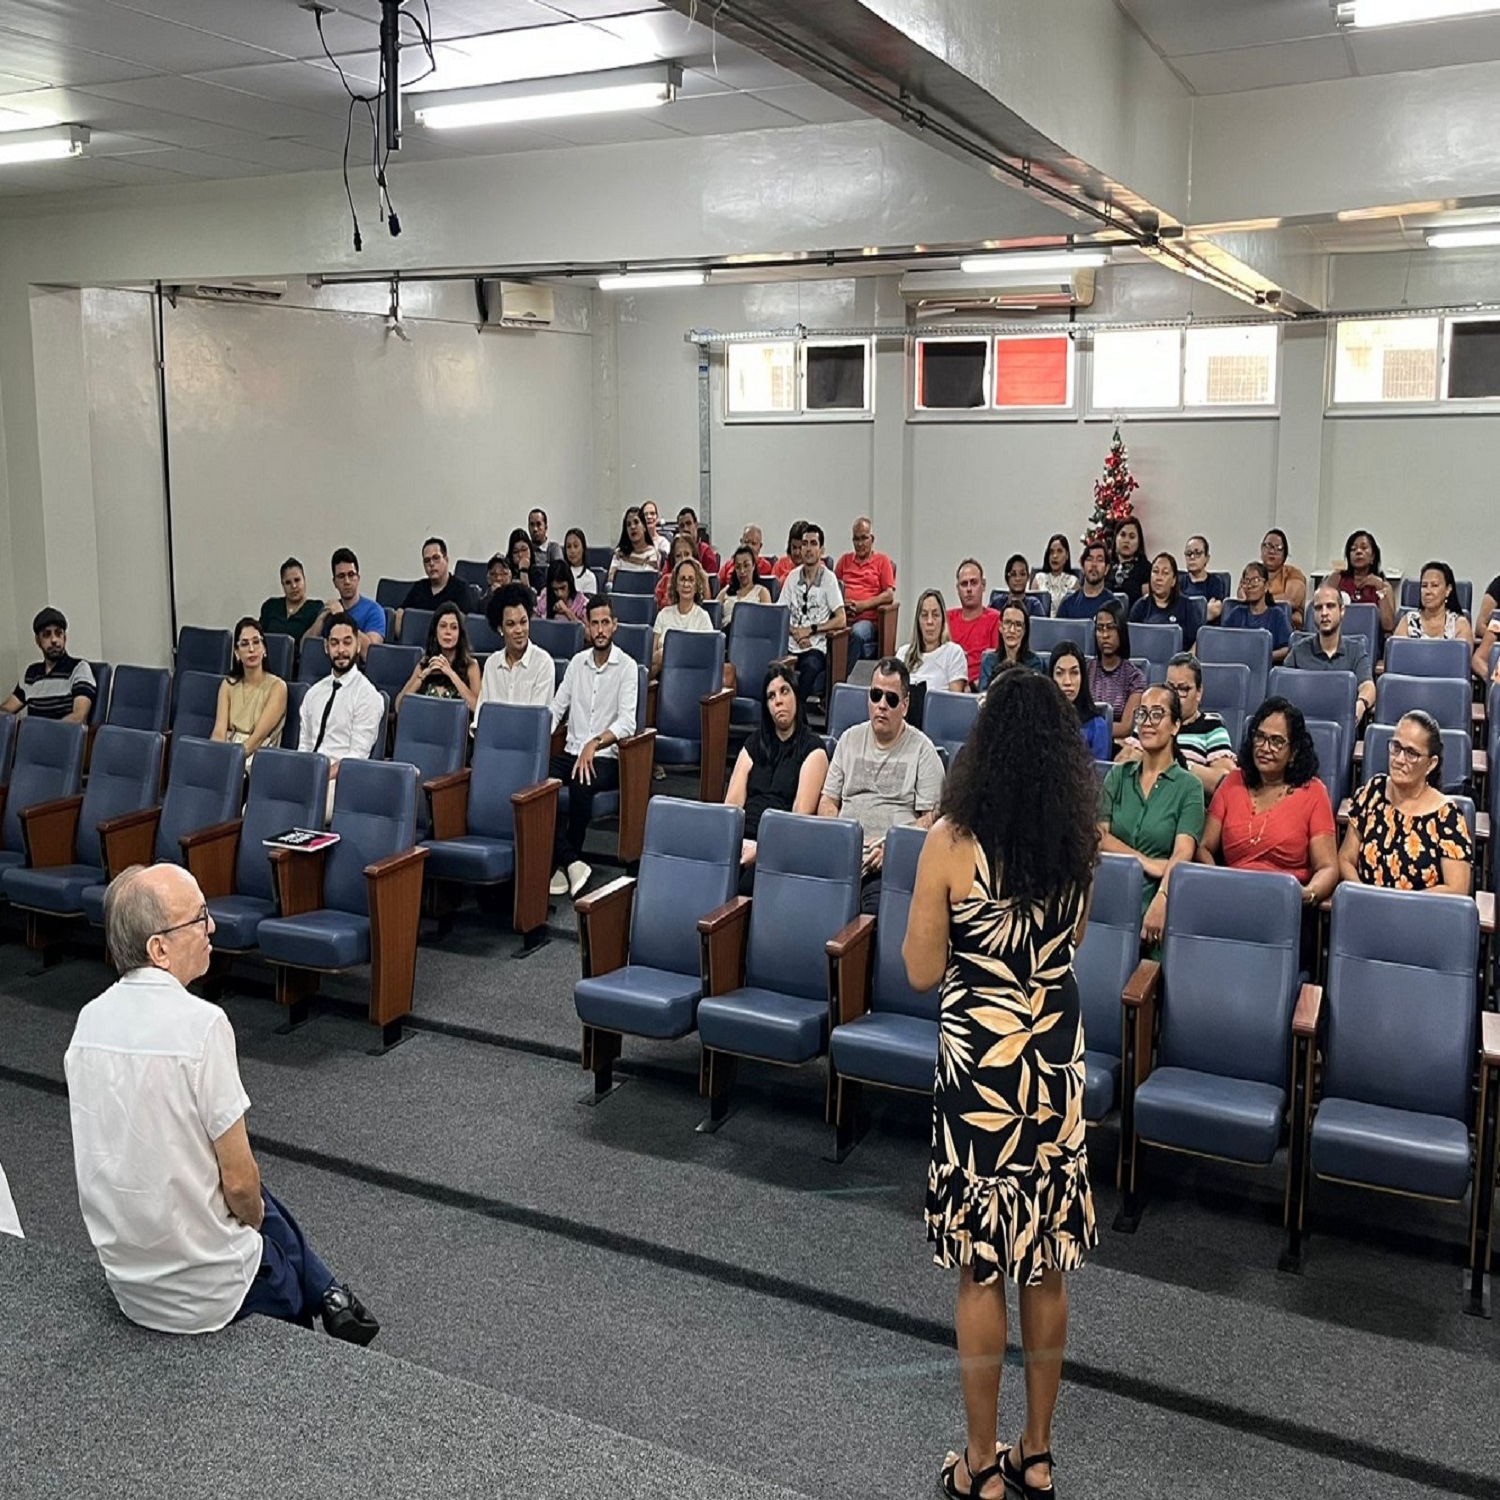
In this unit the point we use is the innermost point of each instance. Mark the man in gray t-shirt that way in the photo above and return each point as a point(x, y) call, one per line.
point(883, 773)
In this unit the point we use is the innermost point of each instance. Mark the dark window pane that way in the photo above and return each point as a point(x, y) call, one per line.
point(952, 375)
point(1474, 361)
point(836, 377)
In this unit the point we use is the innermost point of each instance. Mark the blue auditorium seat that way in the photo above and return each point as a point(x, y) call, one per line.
point(1106, 959)
point(758, 635)
point(432, 734)
point(692, 708)
point(46, 764)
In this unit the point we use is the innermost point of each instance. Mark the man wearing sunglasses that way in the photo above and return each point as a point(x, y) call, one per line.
point(171, 1193)
point(883, 773)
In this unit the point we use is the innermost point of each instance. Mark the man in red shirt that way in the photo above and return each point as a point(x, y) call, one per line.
point(974, 625)
point(868, 579)
point(749, 537)
point(687, 525)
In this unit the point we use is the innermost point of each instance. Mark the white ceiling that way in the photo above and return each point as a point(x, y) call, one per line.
point(176, 89)
point(1227, 46)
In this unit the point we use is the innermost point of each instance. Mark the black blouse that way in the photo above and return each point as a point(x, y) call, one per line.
point(1130, 579)
point(774, 772)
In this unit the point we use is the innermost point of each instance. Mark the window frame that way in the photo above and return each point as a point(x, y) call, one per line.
point(989, 411)
point(1441, 405)
point(800, 412)
point(1182, 411)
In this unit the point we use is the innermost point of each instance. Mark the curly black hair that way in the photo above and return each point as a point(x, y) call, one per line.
point(1024, 788)
point(1302, 766)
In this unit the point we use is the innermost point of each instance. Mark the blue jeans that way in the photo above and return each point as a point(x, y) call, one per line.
point(292, 1280)
point(864, 641)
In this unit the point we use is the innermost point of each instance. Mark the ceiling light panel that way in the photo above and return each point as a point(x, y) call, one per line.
point(1366, 13)
point(1044, 260)
point(1462, 239)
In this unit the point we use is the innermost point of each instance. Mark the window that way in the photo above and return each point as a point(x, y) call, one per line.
point(791, 379)
point(1379, 360)
point(1009, 373)
point(1473, 359)
point(1033, 372)
point(762, 378)
point(1185, 369)
point(838, 377)
point(1138, 369)
point(951, 374)
point(1230, 366)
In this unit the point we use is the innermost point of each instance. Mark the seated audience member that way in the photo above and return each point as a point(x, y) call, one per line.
point(743, 586)
point(1273, 813)
point(683, 548)
point(576, 555)
point(1404, 833)
point(252, 701)
point(782, 765)
point(686, 611)
point(1439, 617)
point(1130, 574)
point(1068, 669)
point(1283, 581)
point(1057, 579)
point(815, 600)
point(1327, 650)
point(750, 537)
point(447, 668)
point(598, 698)
point(687, 525)
point(659, 542)
point(1114, 680)
point(522, 672)
point(933, 657)
point(189, 1237)
point(1203, 743)
point(1163, 602)
point(1015, 645)
point(793, 558)
point(868, 581)
point(1018, 585)
point(293, 612)
point(441, 586)
point(343, 713)
point(1253, 612)
point(884, 773)
point(58, 686)
point(1091, 595)
point(365, 615)
point(498, 576)
point(1153, 807)
point(1358, 577)
point(1486, 615)
point(635, 552)
point(524, 565)
point(542, 550)
point(562, 601)
point(973, 624)
point(1199, 581)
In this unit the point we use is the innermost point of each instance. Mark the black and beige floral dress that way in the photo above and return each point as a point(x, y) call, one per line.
point(1402, 851)
point(1008, 1187)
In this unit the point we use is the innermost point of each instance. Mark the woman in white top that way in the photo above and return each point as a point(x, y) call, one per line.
point(653, 530)
point(635, 552)
point(744, 586)
point(576, 553)
point(1439, 618)
point(933, 657)
point(690, 584)
point(1056, 579)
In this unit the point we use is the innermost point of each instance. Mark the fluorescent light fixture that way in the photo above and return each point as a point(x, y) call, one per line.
point(643, 281)
point(1040, 260)
point(551, 98)
point(540, 52)
point(42, 145)
point(1365, 13)
point(1462, 239)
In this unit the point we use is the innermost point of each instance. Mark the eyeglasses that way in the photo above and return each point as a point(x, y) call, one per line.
point(1194, 552)
point(201, 920)
point(892, 700)
point(1275, 743)
point(1152, 716)
point(1398, 751)
point(1272, 546)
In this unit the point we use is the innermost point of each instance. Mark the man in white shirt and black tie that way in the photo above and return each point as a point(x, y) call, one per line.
point(343, 713)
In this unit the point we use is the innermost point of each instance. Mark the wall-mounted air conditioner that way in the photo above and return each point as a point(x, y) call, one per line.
point(517, 304)
point(935, 292)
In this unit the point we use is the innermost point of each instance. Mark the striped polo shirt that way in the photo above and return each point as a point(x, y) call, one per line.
point(50, 694)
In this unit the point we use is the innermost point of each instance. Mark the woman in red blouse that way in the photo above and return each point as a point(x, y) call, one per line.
point(1273, 812)
point(1359, 579)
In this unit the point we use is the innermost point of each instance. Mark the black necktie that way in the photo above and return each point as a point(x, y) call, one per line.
point(323, 722)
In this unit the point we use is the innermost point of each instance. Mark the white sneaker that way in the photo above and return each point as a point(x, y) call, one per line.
point(559, 886)
point(578, 876)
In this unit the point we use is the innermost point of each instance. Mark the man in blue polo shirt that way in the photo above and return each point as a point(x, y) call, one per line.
point(58, 686)
point(1091, 596)
point(367, 617)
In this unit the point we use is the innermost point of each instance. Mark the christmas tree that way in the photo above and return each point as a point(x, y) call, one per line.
point(1112, 492)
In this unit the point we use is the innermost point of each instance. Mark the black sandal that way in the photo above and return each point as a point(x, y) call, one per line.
point(977, 1482)
point(1015, 1479)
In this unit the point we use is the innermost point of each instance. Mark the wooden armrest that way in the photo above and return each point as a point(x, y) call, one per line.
point(850, 968)
point(1489, 1038)
point(731, 678)
point(394, 864)
point(737, 908)
point(1138, 1005)
point(887, 626)
point(637, 751)
point(299, 879)
point(211, 834)
point(604, 927)
point(394, 887)
point(111, 826)
point(713, 719)
point(534, 825)
point(52, 808)
point(49, 831)
point(1485, 901)
point(722, 935)
point(853, 935)
point(129, 840)
point(442, 783)
point(1142, 986)
point(210, 855)
point(448, 802)
point(1309, 1008)
point(1346, 807)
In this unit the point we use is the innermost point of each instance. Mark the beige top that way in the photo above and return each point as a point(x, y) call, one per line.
point(246, 705)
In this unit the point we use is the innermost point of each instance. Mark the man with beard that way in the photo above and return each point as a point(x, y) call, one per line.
point(58, 686)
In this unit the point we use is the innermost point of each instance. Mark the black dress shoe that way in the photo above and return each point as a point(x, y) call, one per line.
point(345, 1316)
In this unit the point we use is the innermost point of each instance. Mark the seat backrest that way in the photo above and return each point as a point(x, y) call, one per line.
point(291, 729)
point(1252, 648)
point(714, 609)
point(898, 879)
point(281, 652)
point(1457, 763)
point(1363, 619)
point(1229, 972)
point(512, 749)
point(375, 816)
point(806, 890)
point(1194, 605)
point(690, 864)
point(8, 723)
point(196, 706)
point(636, 641)
point(1333, 768)
point(635, 609)
point(562, 640)
point(633, 581)
point(1047, 633)
point(1227, 684)
point(1409, 657)
point(848, 705)
point(432, 734)
point(947, 719)
point(312, 661)
point(692, 667)
point(1110, 950)
point(390, 667)
point(758, 635)
point(1411, 594)
point(1446, 699)
point(1157, 643)
point(472, 572)
point(124, 777)
point(201, 649)
point(1320, 695)
point(103, 672)
point(1234, 724)
point(140, 698)
point(47, 762)
point(204, 787)
point(287, 790)
point(389, 592)
point(483, 637)
point(598, 560)
point(1400, 996)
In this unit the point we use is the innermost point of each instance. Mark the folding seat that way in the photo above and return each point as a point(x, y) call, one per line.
point(1408, 657)
point(140, 698)
point(312, 659)
point(634, 608)
point(195, 705)
point(8, 723)
point(597, 560)
point(1226, 686)
point(46, 764)
point(1251, 648)
point(1363, 620)
point(389, 592)
point(637, 754)
point(1047, 633)
point(1157, 644)
point(472, 572)
point(885, 1033)
point(291, 729)
point(1333, 771)
point(281, 654)
point(357, 902)
point(432, 734)
point(1102, 967)
point(493, 821)
point(562, 640)
point(389, 668)
point(1445, 698)
point(639, 940)
point(714, 609)
point(201, 649)
point(1322, 695)
point(636, 641)
point(1226, 984)
point(483, 637)
point(692, 708)
point(415, 623)
point(632, 583)
point(103, 674)
point(774, 981)
point(947, 719)
point(848, 705)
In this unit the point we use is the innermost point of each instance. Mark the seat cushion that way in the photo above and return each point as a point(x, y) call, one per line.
point(640, 1000)
point(1101, 1084)
point(471, 859)
point(237, 921)
point(888, 1048)
point(1391, 1148)
point(316, 940)
point(93, 903)
point(57, 889)
point(10, 859)
point(745, 711)
point(760, 1023)
point(1210, 1115)
point(670, 750)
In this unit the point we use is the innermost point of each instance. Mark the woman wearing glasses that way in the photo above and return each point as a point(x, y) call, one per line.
point(1114, 680)
point(1403, 832)
point(1254, 612)
point(1207, 586)
point(1163, 602)
point(1273, 813)
point(252, 701)
point(1153, 807)
point(1283, 581)
point(1015, 645)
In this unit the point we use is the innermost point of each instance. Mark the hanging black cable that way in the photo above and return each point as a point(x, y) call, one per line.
point(159, 349)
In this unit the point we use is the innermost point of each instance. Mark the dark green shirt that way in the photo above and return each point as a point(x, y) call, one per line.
point(1150, 825)
point(274, 619)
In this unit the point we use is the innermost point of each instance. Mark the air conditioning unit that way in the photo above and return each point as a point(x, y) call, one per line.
point(933, 293)
point(518, 304)
point(235, 291)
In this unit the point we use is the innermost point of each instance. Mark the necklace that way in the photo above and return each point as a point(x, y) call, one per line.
point(1257, 835)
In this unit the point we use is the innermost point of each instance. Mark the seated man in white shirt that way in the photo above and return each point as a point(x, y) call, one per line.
point(522, 672)
point(343, 713)
point(188, 1236)
point(815, 601)
point(599, 695)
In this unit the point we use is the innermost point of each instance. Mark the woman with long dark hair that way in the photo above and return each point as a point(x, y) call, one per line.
point(576, 555)
point(743, 586)
point(1130, 574)
point(524, 567)
point(1068, 669)
point(1057, 579)
point(1015, 645)
point(635, 552)
point(1114, 680)
point(1254, 612)
point(1358, 578)
point(447, 668)
point(252, 701)
point(561, 599)
point(1000, 906)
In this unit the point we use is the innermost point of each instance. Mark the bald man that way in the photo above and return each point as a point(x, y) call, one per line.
point(868, 579)
point(188, 1237)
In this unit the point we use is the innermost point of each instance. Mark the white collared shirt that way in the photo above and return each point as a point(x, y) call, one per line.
point(533, 679)
point(358, 717)
point(596, 699)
